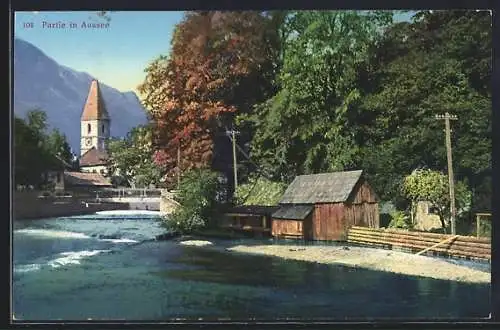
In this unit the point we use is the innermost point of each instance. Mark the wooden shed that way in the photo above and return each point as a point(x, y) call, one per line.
point(324, 206)
point(252, 218)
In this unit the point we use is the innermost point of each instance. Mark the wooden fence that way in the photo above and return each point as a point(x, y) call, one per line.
point(459, 246)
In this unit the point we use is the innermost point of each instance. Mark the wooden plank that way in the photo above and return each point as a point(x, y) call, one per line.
point(415, 245)
point(449, 248)
point(460, 245)
point(478, 224)
point(316, 223)
point(328, 221)
point(437, 244)
point(418, 247)
point(307, 227)
point(420, 234)
point(431, 240)
point(286, 226)
point(290, 236)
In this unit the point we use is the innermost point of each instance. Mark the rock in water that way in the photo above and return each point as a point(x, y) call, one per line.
point(196, 243)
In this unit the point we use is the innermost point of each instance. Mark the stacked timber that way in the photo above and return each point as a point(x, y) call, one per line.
point(460, 246)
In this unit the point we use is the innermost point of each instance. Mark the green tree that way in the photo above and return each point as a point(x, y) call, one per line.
point(36, 120)
point(58, 145)
point(302, 129)
point(35, 150)
point(198, 196)
point(439, 62)
point(432, 186)
point(28, 168)
point(132, 158)
point(400, 219)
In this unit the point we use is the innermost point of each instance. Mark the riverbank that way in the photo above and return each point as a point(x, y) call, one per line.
point(29, 205)
point(368, 258)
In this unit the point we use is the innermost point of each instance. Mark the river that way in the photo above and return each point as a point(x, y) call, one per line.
point(108, 267)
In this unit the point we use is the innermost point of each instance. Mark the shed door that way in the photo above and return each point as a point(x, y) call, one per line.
point(307, 227)
point(328, 223)
point(363, 220)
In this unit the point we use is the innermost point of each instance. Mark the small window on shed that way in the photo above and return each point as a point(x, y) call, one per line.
point(89, 127)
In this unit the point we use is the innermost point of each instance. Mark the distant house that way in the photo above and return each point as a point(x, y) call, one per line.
point(78, 181)
point(324, 206)
point(94, 161)
point(55, 174)
point(64, 179)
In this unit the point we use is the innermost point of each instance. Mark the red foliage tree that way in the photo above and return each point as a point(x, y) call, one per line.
point(193, 93)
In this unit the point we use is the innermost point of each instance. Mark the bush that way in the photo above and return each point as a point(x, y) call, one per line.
point(400, 219)
point(484, 228)
point(385, 220)
point(119, 181)
point(260, 191)
point(198, 198)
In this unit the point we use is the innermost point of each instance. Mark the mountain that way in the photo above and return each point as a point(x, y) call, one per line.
point(40, 82)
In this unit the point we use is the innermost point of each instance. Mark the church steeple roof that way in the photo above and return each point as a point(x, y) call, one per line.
point(94, 107)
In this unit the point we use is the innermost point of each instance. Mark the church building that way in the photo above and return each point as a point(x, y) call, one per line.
point(95, 132)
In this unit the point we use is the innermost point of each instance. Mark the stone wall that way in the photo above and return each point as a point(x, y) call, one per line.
point(28, 205)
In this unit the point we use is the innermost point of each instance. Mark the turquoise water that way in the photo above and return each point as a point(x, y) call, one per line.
point(109, 268)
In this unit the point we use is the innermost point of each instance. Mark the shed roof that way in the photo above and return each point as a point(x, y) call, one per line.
point(94, 157)
point(332, 187)
point(253, 209)
point(94, 106)
point(86, 179)
point(293, 212)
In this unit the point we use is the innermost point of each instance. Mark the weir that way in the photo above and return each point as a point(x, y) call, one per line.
point(140, 199)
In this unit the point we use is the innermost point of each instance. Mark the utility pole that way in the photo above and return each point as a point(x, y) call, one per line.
point(451, 182)
point(232, 133)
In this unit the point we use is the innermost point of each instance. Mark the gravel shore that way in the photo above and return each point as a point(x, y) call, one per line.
point(376, 259)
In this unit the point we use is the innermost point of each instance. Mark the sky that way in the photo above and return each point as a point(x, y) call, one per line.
point(116, 55)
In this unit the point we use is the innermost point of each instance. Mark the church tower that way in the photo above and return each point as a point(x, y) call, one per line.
point(95, 122)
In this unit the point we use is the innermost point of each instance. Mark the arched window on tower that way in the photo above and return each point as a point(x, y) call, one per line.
point(103, 132)
point(88, 128)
